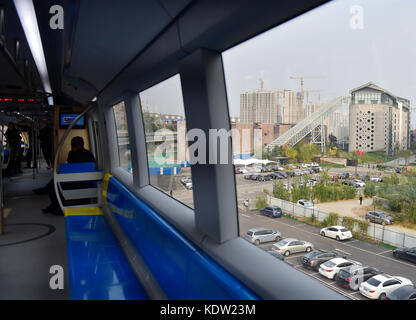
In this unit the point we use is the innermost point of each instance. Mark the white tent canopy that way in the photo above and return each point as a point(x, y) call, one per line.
point(247, 162)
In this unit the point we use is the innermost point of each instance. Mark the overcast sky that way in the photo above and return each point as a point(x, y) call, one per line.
point(320, 43)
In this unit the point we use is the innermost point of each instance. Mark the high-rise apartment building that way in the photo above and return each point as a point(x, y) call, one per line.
point(292, 109)
point(379, 120)
point(260, 107)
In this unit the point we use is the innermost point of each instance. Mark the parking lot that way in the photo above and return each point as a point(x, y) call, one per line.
point(366, 253)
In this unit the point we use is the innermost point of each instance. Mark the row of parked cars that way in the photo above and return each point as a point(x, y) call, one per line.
point(371, 282)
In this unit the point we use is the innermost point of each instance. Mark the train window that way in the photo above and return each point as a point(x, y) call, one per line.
point(301, 92)
point(123, 141)
point(165, 127)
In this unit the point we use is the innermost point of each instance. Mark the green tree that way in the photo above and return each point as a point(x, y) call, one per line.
point(280, 192)
point(332, 141)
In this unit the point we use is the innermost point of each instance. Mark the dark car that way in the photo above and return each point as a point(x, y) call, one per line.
point(398, 170)
point(283, 174)
point(276, 175)
point(348, 182)
point(257, 177)
point(344, 175)
point(405, 253)
point(351, 277)
point(379, 217)
point(402, 293)
point(314, 259)
point(272, 211)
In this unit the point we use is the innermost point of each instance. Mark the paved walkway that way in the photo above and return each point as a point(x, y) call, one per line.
point(352, 208)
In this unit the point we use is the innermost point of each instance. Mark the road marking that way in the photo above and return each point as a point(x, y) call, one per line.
point(343, 251)
point(297, 225)
point(346, 244)
point(245, 215)
point(384, 252)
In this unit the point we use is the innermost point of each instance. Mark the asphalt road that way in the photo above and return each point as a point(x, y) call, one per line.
point(363, 252)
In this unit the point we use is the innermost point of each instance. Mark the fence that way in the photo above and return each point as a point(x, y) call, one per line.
point(375, 232)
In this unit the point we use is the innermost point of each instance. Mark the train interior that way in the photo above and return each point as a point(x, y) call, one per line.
point(113, 226)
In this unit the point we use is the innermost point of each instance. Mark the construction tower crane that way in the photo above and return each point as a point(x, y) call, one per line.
point(301, 78)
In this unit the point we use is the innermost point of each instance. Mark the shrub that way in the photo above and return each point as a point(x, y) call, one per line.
point(370, 189)
point(280, 192)
point(350, 192)
point(331, 220)
point(395, 205)
point(261, 202)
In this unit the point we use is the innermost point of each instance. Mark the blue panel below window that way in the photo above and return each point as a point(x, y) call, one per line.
point(98, 269)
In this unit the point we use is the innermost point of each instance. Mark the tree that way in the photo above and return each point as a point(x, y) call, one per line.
point(291, 153)
point(406, 154)
point(332, 141)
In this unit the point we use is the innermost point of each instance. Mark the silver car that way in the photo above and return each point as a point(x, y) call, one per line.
point(260, 235)
point(290, 245)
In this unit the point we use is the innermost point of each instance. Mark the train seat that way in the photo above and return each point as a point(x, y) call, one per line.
point(97, 267)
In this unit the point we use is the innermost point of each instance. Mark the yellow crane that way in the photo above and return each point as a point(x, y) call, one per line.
point(301, 78)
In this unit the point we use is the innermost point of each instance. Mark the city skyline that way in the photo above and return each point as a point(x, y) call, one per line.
point(318, 43)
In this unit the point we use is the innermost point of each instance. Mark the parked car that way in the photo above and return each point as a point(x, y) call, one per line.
point(306, 204)
point(276, 175)
point(389, 169)
point(314, 259)
point(351, 277)
point(187, 182)
point(331, 268)
point(379, 217)
point(272, 211)
point(316, 169)
point(344, 175)
point(359, 183)
point(257, 177)
point(348, 183)
point(336, 232)
point(314, 164)
point(405, 253)
point(379, 286)
point(247, 176)
point(245, 203)
point(402, 293)
point(283, 174)
point(290, 245)
point(398, 170)
point(261, 235)
point(376, 179)
point(297, 172)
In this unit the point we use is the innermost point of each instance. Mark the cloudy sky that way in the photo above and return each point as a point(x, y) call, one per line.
point(321, 43)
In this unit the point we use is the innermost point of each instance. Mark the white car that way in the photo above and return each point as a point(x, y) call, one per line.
point(336, 232)
point(306, 204)
point(314, 164)
point(379, 286)
point(331, 268)
point(359, 183)
point(376, 179)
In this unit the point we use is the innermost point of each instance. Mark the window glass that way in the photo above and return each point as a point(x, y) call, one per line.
point(123, 140)
point(167, 149)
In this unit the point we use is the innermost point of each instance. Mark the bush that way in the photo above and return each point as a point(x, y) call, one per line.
point(331, 220)
point(280, 192)
point(261, 202)
point(395, 205)
point(349, 222)
point(370, 189)
point(350, 192)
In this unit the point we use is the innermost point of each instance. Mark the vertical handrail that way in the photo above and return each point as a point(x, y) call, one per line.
point(58, 150)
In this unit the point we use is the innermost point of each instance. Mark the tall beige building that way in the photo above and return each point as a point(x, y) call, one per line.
point(379, 120)
point(260, 107)
point(292, 109)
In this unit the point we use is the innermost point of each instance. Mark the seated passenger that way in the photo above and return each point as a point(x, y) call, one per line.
point(77, 154)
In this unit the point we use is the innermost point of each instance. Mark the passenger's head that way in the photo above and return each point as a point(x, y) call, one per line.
point(77, 143)
point(12, 126)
